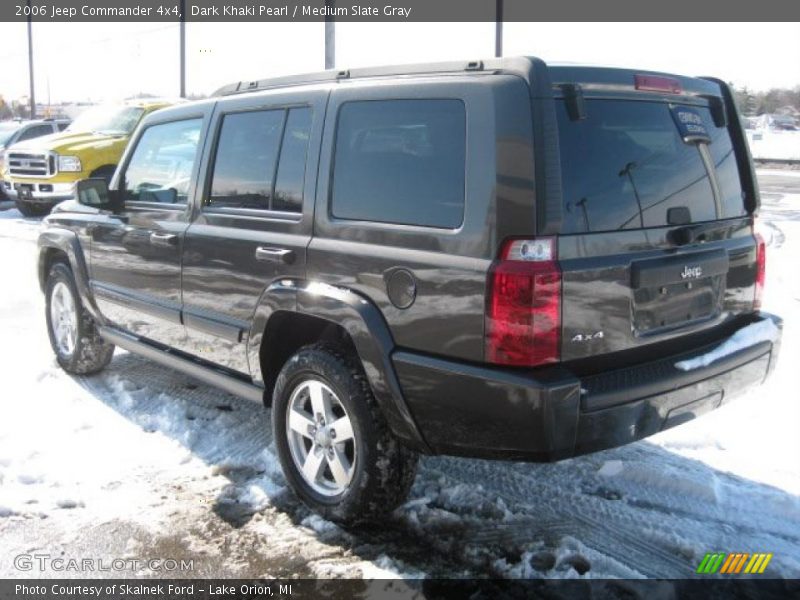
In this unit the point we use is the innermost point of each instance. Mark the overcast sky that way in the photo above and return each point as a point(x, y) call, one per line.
point(82, 61)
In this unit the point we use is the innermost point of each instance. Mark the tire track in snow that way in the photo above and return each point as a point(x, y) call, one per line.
point(646, 532)
point(613, 533)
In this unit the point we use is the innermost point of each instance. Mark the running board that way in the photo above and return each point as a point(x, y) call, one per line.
point(208, 375)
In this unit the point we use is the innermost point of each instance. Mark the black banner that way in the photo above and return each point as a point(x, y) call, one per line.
point(400, 589)
point(397, 10)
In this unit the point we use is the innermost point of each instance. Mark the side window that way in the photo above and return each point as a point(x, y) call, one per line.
point(401, 161)
point(35, 131)
point(62, 126)
point(244, 166)
point(160, 169)
point(292, 165)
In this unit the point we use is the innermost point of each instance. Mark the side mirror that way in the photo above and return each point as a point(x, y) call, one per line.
point(94, 192)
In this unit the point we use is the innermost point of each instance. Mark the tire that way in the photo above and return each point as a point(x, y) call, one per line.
point(381, 470)
point(30, 209)
point(84, 351)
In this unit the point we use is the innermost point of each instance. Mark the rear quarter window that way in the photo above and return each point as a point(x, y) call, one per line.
point(401, 161)
point(626, 165)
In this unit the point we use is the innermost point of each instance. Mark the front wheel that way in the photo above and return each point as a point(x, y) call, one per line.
point(335, 447)
point(78, 347)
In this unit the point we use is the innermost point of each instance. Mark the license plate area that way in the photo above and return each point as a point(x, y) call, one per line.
point(24, 190)
point(675, 291)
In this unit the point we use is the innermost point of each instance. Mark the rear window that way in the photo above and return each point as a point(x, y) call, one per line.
point(625, 166)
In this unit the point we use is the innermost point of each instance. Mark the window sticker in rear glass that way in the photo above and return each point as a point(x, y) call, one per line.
point(691, 126)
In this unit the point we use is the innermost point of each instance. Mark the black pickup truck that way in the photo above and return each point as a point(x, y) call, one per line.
point(500, 259)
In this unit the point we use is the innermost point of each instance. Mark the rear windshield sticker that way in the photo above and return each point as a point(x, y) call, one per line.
point(691, 126)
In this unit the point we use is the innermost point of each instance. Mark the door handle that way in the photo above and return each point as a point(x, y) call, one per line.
point(163, 239)
point(275, 254)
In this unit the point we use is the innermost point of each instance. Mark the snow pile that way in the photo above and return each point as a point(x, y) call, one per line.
point(243, 455)
point(384, 567)
point(611, 468)
point(670, 481)
point(755, 333)
point(318, 524)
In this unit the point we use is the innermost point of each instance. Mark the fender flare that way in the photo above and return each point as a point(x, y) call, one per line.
point(66, 242)
point(365, 325)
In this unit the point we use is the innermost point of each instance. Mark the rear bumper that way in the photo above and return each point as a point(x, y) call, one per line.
point(487, 412)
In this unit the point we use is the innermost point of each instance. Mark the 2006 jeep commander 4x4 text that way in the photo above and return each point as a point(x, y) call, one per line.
point(498, 259)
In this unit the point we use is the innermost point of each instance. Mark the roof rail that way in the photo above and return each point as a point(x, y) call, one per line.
point(521, 66)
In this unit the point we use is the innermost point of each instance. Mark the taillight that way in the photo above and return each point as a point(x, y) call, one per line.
point(761, 270)
point(523, 308)
point(656, 83)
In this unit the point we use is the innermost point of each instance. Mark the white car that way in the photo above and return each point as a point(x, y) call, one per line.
point(12, 132)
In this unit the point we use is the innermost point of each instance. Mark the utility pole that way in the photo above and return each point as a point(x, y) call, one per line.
point(30, 61)
point(498, 28)
point(183, 48)
point(330, 34)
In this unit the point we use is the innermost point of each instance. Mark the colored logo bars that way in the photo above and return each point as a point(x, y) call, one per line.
point(733, 563)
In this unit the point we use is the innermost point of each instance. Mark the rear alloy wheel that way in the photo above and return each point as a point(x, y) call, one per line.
point(334, 444)
point(73, 336)
point(320, 437)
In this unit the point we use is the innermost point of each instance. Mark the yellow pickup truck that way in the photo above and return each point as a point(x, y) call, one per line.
point(42, 172)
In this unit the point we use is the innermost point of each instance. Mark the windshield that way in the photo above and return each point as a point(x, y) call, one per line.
point(626, 166)
point(6, 131)
point(108, 119)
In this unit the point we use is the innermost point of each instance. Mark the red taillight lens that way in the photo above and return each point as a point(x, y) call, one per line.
point(523, 309)
point(654, 83)
point(761, 270)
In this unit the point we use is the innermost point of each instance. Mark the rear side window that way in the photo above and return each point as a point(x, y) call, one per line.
point(261, 160)
point(401, 161)
point(625, 166)
point(247, 152)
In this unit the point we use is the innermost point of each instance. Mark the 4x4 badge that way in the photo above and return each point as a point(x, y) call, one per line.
point(585, 337)
point(691, 272)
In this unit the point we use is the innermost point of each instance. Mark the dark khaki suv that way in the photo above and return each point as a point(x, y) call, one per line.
point(498, 259)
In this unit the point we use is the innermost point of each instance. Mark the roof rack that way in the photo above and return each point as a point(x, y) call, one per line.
point(521, 66)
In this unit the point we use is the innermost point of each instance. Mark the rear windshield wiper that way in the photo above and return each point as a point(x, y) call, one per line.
point(689, 234)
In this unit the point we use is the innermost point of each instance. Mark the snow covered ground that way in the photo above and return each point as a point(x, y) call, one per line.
point(143, 463)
